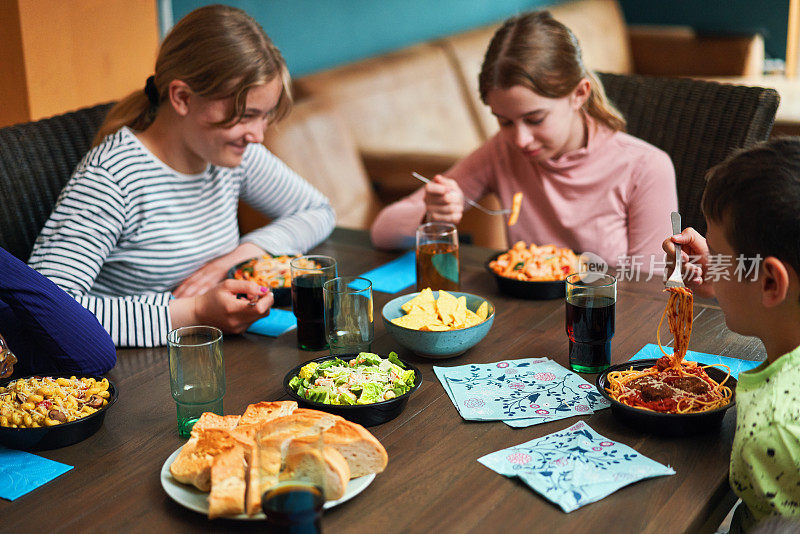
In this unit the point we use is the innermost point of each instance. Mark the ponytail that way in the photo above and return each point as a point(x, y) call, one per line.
point(134, 111)
point(600, 108)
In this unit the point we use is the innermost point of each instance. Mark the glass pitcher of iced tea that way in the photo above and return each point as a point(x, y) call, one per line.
point(437, 257)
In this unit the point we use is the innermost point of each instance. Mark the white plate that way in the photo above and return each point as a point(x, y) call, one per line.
point(194, 499)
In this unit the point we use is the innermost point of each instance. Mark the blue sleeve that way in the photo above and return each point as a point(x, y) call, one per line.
point(46, 328)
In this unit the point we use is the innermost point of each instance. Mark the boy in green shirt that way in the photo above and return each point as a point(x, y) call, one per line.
point(750, 260)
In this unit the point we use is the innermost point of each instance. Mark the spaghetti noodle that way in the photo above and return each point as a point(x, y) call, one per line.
point(672, 385)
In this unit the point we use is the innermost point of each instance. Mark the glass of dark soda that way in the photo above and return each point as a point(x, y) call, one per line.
point(309, 274)
point(591, 303)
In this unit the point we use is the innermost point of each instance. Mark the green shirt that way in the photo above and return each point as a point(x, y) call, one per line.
point(765, 461)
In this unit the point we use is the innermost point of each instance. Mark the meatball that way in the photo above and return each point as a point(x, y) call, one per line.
point(656, 391)
point(691, 384)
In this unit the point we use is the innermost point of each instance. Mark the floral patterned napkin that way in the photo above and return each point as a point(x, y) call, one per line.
point(575, 466)
point(520, 392)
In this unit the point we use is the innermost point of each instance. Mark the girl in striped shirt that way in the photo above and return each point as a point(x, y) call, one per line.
point(145, 230)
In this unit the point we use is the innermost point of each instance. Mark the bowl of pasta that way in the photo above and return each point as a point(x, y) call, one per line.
point(656, 397)
point(48, 412)
point(268, 271)
point(533, 272)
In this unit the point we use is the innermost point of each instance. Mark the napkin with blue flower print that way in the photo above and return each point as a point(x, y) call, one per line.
point(575, 466)
point(520, 392)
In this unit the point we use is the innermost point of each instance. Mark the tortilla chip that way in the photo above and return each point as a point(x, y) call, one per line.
point(483, 310)
point(409, 321)
point(435, 328)
point(471, 319)
point(422, 300)
point(446, 306)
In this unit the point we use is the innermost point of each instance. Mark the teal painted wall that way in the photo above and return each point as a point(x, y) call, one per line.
point(319, 34)
point(767, 17)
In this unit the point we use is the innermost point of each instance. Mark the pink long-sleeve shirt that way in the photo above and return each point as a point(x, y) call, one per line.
point(612, 197)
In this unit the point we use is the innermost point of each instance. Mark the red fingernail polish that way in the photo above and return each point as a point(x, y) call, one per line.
point(264, 290)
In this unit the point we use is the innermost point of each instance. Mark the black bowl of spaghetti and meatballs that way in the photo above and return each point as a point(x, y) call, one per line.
point(661, 391)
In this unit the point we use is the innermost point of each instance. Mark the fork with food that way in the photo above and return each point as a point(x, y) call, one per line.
point(441, 193)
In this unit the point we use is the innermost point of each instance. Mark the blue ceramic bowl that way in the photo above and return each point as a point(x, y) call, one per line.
point(437, 345)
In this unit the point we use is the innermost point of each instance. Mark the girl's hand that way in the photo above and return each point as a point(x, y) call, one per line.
point(210, 274)
point(692, 245)
point(444, 200)
point(231, 306)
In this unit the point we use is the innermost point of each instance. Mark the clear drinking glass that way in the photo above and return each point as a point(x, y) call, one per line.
point(7, 359)
point(437, 257)
point(309, 274)
point(196, 373)
point(590, 320)
point(348, 315)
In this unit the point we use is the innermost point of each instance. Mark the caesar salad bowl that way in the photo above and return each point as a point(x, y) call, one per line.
point(374, 413)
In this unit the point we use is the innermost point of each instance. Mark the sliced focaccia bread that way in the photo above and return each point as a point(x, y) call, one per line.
point(362, 451)
point(263, 473)
point(193, 464)
point(325, 468)
point(266, 411)
point(210, 420)
point(306, 423)
point(228, 485)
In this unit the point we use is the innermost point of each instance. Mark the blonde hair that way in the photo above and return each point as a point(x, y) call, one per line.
point(219, 52)
point(536, 51)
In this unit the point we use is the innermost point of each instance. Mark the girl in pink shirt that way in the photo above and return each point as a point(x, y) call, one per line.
point(587, 185)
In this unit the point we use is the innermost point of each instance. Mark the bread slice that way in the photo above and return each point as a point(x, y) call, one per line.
point(228, 484)
point(263, 473)
point(266, 411)
point(193, 464)
point(305, 423)
point(316, 413)
point(210, 420)
point(325, 468)
point(362, 451)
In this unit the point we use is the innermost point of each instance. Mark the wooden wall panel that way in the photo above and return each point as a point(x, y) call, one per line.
point(13, 91)
point(81, 52)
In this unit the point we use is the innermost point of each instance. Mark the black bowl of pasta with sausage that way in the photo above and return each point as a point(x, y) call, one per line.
point(646, 395)
point(48, 412)
point(533, 273)
point(268, 271)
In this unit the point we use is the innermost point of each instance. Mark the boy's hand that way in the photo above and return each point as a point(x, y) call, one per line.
point(692, 245)
point(444, 201)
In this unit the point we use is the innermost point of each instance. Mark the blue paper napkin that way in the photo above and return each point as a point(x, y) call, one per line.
point(520, 392)
point(276, 323)
point(22, 472)
point(737, 366)
point(575, 466)
point(394, 276)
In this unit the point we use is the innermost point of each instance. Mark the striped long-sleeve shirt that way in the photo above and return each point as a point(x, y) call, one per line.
point(127, 229)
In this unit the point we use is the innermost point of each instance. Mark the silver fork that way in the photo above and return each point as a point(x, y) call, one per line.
point(472, 203)
point(675, 279)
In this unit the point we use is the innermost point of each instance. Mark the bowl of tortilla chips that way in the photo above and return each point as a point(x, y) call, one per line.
point(438, 324)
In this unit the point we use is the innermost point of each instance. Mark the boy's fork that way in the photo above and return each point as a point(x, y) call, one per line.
point(675, 279)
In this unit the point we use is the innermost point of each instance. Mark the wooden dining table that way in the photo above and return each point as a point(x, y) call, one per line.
point(433, 482)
